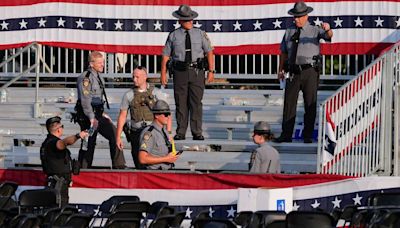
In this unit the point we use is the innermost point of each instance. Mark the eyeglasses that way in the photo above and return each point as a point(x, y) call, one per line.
point(166, 114)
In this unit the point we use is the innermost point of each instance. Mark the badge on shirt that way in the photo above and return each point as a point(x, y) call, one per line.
point(86, 86)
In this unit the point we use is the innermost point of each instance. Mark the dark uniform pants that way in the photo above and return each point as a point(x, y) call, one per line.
point(135, 140)
point(188, 92)
point(61, 184)
point(307, 81)
point(107, 129)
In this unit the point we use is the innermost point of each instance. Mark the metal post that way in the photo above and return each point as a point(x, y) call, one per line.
point(37, 107)
point(396, 128)
point(320, 146)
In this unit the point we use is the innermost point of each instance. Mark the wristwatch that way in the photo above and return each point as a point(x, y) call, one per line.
point(212, 71)
point(77, 136)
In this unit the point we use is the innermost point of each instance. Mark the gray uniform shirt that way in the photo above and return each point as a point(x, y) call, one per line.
point(90, 92)
point(175, 44)
point(153, 142)
point(265, 159)
point(309, 41)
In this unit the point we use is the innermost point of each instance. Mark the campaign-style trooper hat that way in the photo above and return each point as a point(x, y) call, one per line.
point(185, 13)
point(161, 107)
point(262, 127)
point(300, 9)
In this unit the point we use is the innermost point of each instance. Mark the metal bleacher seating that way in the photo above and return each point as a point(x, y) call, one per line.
point(228, 121)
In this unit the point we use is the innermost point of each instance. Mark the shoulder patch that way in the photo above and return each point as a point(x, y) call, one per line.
point(208, 39)
point(146, 136)
point(143, 146)
point(86, 82)
point(85, 86)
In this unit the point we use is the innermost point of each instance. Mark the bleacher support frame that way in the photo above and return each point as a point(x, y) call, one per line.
point(364, 116)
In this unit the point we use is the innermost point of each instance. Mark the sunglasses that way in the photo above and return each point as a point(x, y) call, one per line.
point(166, 114)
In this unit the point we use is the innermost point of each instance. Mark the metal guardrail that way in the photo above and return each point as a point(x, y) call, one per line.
point(38, 59)
point(359, 124)
point(65, 61)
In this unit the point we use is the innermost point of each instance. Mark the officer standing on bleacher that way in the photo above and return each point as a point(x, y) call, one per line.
point(155, 146)
point(56, 158)
point(300, 60)
point(190, 54)
point(90, 113)
point(139, 101)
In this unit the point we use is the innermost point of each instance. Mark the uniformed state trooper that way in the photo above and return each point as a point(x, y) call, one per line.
point(264, 159)
point(90, 105)
point(190, 54)
point(300, 58)
point(155, 147)
point(56, 158)
point(139, 101)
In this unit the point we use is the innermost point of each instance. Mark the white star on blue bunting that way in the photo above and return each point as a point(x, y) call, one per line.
point(231, 212)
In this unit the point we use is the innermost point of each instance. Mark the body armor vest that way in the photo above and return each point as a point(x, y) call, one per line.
point(141, 105)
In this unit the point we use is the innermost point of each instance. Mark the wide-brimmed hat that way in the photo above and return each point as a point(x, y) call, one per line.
point(161, 107)
point(185, 13)
point(262, 127)
point(300, 9)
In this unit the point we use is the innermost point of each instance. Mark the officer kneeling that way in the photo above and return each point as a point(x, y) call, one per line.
point(56, 158)
point(155, 146)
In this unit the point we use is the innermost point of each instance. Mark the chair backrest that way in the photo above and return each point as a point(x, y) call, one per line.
point(162, 221)
point(125, 214)
point(384, 199)
point(255, 221)
point(38, 198)
point(29, 221)
point(123, 223)
point(8, 188)
point(156, 207)
point(309, 219)
point(78, 220)
point(61, 218)
point(142, 206)
point(7, 202)
point(166, 210)
point(213, 223)
point(389, 220)
point(178, 219)
point(276, 224)
point(108, 205)
point(269, 216)
point(50, 215)
point(243, 218)
point(201, 215)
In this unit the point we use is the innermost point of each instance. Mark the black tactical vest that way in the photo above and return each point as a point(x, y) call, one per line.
point(141, 105)
point(54, 161)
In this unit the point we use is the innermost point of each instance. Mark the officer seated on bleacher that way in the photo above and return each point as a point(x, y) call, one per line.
point(264, 159)
point(155, 146)
point(56, 158)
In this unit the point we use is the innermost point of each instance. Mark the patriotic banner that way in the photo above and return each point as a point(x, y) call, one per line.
point(234, 27)
point(330, 140)
point(217, 193)
point(355, 110)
